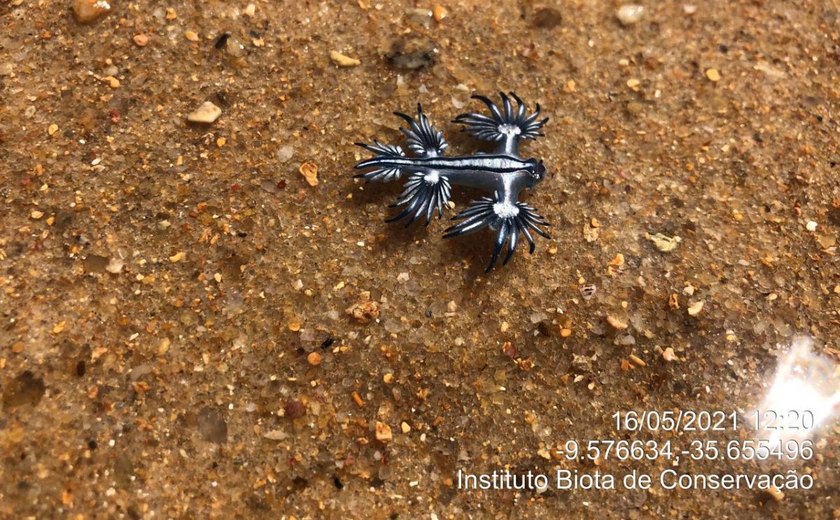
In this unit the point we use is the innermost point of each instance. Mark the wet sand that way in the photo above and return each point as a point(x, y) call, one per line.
point(212, 320)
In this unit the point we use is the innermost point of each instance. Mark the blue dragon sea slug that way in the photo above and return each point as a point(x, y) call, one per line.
point(430, 174)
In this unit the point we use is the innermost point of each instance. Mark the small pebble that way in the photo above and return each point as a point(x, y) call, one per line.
point(776, 494)
point(343, 61)
point(250, 10)
point(664, 243)
point(314, 359)
point(52, 129)
point(383, 432)
point(111, 81)
point(590, 232)
point(233, 47)
point(405, 427)
point(294, 409)
point(275, 435)
point(811, 226)
point(207, 113)
point(89, 11)
point(668, 354)
point(547, 18)
point(625, 340)
point(509, 349)
point(826, 241)
point(713, 75)
point(191, 36)
point(115, 266)
point(177, 257)
point(616, 322)
point(630, 14)
point(419, 15)
point(439, 13)
point(141, 40)
point(695, 308)
point(402, 277)
point(284, 153)
point(637, 360)
point(364, 311)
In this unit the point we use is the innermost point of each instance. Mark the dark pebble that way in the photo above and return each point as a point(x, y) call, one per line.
point(834, 216)
point(547, 18)
point(294, 409)
point(25, 389)
point(412, 54)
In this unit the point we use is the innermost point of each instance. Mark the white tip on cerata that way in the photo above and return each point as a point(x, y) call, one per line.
point(505, 209)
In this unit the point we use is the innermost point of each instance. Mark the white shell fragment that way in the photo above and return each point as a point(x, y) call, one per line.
point(343, 61)
point(630, 14)
point(207, 113)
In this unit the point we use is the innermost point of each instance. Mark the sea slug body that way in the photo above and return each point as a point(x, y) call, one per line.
point(503, 173)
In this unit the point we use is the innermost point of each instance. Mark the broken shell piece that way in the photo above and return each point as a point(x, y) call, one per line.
point(343, 61)
point(616, 322)
point(310, 173)
point(207, 113)
point(630, 14)
point(695, 308)
point(383, 432)
point(664, 243)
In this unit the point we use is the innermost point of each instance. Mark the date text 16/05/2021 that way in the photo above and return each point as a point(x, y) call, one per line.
point(713, 420)
point(668, 479)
